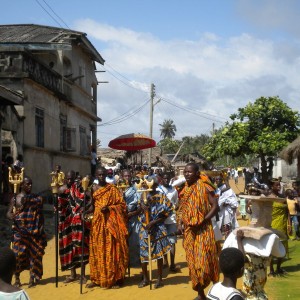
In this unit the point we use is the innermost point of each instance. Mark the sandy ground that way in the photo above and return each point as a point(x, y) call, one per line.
point(176, 286)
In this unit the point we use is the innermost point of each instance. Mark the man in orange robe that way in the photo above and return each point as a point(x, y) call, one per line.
point(108, 236)
point(196, 208)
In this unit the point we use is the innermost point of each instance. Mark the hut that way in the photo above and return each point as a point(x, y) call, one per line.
point(292, 152)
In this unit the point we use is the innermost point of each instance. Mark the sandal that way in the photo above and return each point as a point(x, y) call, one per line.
point(272, 274)
point(143, 283)
point(158, 284)
point(91, 285)
point(281, 271)
point(70, 279)
point(174, 269)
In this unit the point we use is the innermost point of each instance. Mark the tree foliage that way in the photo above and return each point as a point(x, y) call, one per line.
point(169, 145)
point(262, 128)
point(168, 129)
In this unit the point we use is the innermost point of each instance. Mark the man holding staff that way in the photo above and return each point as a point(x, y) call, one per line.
point(70, 208)
point(158, 207)
point(29, 238)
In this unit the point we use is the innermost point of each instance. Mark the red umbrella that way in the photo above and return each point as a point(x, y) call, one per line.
point(132, 142)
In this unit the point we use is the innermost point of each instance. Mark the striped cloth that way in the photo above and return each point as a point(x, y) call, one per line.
point(108, 238)
point(70, 207)
point(29, 238)
point(200, 247)
point(159, 206)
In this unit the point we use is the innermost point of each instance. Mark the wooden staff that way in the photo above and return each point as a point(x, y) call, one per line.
point(144, 187)
point(54, 187)
point(85, 183)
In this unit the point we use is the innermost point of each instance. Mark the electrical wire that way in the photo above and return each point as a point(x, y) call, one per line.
point(56, 14)
point(125, 116)
point(195, 112)
point(37, 1)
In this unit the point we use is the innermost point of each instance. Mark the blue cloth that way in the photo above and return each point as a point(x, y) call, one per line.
point(159, 206)
point(132, 199)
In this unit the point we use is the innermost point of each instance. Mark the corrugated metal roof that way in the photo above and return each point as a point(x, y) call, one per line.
point(30, 33)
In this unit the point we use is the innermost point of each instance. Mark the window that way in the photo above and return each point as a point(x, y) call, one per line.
point(94, 92)
point(69, 139)
point(63, 125)
point(83, 141)
point(39, 127)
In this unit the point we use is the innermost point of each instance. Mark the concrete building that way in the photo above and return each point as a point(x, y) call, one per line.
point(52, 73)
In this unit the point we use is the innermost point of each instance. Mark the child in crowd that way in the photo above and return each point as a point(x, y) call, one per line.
point(7, 269)
point(231, 263)
point(293, 206)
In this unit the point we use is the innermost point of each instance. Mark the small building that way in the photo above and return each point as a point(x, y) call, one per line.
point(52, 72)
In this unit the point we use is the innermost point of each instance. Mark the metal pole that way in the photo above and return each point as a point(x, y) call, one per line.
point(151, 119)
point(56, 237)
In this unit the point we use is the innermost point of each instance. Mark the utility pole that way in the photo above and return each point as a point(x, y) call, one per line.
point(151, 118)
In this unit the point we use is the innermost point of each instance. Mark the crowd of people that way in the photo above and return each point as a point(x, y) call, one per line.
point(132, 218)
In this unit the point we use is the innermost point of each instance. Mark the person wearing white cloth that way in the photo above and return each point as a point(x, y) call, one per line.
point(228, 204)
point(170, 222)
point(258, 246)
point(231, 262)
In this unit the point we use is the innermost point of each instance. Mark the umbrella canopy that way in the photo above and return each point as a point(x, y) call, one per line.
point(132, 142)
point(291, 151)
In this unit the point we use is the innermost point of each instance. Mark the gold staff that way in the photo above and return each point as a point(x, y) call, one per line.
point(145, 187)
point(15, 179)
point(56, 182)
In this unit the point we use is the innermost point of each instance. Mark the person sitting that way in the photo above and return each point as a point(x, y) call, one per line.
point(8, 265)
point(231, 262)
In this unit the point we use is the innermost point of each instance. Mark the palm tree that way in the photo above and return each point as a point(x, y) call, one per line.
point(168, 129)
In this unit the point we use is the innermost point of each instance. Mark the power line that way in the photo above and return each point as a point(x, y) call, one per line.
point(195, 112)
point(125, 116)
point(122, 81)
point(37, 1)
point(56, 14)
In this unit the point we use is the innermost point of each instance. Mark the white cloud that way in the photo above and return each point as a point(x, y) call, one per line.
point(211, 75)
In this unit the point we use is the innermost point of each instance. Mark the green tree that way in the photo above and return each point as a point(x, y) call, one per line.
point(169, 145)
point(168, 129)
point(194, 144)
point(262, 128)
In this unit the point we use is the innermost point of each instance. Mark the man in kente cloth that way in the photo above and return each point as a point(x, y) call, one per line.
point(29, 238)
point(196, 208)
point(70, 209)
point(108, 236)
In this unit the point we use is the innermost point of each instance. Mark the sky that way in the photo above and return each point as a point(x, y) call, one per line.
point(206, 58)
